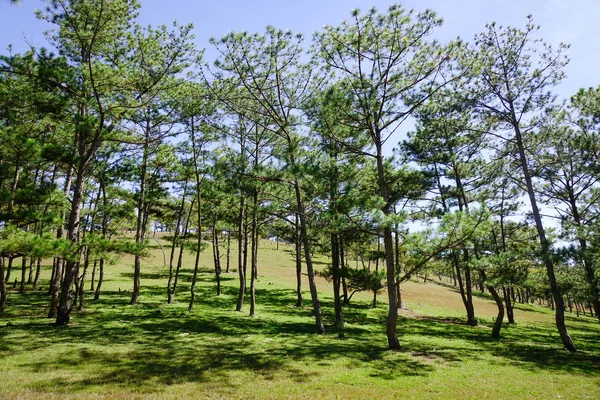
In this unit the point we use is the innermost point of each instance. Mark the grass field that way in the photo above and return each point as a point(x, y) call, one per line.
point(154, 350)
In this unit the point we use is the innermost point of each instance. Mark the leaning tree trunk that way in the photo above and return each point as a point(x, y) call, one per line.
point(500, 317)
point(38, 271)
point(307, 257)
point(547, 257)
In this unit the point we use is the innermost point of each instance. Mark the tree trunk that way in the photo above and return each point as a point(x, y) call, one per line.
point(589, 272)
point(388, 242)
point(178, 228)
point(335, 266)
point(228, 251)
point(216, 256)
point(509, 305)
point(63, 313)
point(38, 270)
point(344, 267)
point(307, 257)
point(86, 264)
point(100, 279)
point(241, 255)
point(3, 294)
point(548, 263)
point(464, 292)
point(30, 275)
point(8, 270)
point(471, 320)
point(298, 263)
point(196, 154)
point(93, 280)
point(58, 264)
point(140, 232)
point(23, 274)
point(500, 317)
point(253, 255)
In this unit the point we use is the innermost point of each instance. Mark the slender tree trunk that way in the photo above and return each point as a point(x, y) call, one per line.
point(63, 313)
point(509, 305)
point(254, 250)
point(298, 262)
point(549, 264)
point(104, 235)
point(58, 264)
point(52, 274)
point(23, 274)
point(589, 272)
point(228, 251)
point(30, 275)
point(344, 268)
point(181, 248)
point(241, 255)
point(196, 153)
point(140, 232)
point(464, 291)
point(471, 320)
point(335, 266)
point(93, 280)
point(3, 294)
point(8, 270)
point(388, 243)
point(86, 264)
point(398, 264)
point(100, 279)
point(38, 271)
point(500, 317)
point(178, 228)
point(307, 257)
point(216, 256)
point(377, 270)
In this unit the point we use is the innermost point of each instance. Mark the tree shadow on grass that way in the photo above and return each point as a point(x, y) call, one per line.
point(150, 345)
point(533, 347)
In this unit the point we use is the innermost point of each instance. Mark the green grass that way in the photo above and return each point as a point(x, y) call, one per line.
point(159, 351)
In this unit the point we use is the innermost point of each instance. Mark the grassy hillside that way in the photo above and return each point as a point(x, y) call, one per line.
point(159, 351)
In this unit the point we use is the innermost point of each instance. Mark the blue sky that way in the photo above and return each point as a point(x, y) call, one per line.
point(574, 22)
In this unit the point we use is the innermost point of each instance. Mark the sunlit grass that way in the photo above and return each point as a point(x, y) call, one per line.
point(155, 350)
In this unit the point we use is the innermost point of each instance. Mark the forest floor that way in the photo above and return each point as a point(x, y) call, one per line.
point(153, 350)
